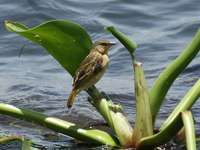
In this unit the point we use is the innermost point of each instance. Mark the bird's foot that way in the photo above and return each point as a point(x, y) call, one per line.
point(100, 96)
point(94, 98)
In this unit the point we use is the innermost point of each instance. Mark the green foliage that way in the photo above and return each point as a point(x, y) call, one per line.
point(114, 116)
point(186, 103)
point(127, 42)
point(168, 76)
point(10, 138)
point(143, 122)
point(76, 131)
point(26, 146)
point(189, 129)
point(69, 44)
point(66, 41)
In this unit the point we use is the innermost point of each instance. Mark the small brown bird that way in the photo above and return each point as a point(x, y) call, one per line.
point(91, 69)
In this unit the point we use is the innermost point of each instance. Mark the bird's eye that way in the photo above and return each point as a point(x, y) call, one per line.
point(104, 44)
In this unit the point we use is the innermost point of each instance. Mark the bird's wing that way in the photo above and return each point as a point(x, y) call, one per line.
point(89, 67)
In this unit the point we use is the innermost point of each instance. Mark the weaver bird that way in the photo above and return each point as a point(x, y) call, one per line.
point(91, 69)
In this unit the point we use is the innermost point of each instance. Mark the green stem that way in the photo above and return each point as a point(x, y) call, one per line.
point(114, 116)
point(186, 103)
point(127, 42)
point(9, 139)
point(167, 77)
point(189, 129)
point(174, 123)
point(143, 124)
point(73, 130)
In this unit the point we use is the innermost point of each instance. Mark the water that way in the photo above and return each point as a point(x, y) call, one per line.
point(162, 30)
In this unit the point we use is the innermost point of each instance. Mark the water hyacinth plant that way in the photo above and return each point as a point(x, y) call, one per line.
point(69, 44)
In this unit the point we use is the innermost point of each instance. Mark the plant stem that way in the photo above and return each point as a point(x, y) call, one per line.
point(73, 130)
point(143, 124)
point(167, 77)
point(114, 116)
point(11, 138)
point(174, 123)
point(186, 103)
point(189, 129)
point(127, 42)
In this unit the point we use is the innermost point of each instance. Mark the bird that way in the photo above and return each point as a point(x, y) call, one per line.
point(91, 69)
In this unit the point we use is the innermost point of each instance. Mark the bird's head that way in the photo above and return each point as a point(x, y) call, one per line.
point(102, 46)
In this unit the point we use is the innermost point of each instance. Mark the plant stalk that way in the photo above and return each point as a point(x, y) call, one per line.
point(73, 130)
point(167, 77)
point(143, 123)
point(189, 129)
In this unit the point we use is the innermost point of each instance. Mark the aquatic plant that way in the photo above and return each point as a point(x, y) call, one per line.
point(69, 44)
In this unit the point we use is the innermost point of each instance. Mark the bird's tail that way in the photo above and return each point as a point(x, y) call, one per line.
point(71, 98)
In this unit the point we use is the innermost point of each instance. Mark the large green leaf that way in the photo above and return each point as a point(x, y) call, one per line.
point(66, 41)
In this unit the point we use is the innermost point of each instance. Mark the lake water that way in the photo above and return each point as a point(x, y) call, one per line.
point(162, 30)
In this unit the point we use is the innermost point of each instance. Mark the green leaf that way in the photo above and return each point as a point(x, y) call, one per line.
point(127, 42)
point(186, 103)
point(174, 123)
point(25, 145)
point(167, 77)
point(66, 41)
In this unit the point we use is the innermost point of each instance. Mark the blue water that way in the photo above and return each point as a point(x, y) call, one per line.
point(162, 30)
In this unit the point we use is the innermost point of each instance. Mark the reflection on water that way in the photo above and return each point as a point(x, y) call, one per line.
point(36, 81)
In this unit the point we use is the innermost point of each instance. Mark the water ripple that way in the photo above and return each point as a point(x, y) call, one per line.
point(162, 30)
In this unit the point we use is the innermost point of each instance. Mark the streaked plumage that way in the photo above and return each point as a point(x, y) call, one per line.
point(91, 69)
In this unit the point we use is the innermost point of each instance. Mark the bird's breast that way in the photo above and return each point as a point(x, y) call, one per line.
point(105, 61)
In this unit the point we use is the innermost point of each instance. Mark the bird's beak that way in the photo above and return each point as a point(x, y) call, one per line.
point(112, 43)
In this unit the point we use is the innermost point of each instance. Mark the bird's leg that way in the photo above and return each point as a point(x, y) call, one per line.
point(95, 97)
point(90, 92)
point(94, 93)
